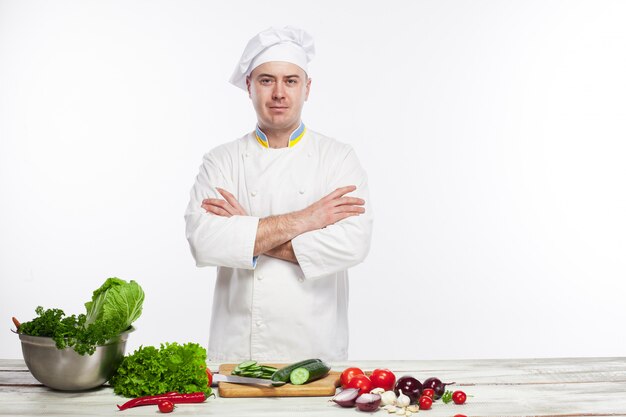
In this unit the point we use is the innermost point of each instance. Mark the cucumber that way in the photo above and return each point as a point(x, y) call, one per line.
point(299, 376)
point(308, 373)
point(254, 370)
point(281, 376)
point(246, 364)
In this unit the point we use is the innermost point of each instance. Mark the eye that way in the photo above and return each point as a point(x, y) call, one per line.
point(265, 81)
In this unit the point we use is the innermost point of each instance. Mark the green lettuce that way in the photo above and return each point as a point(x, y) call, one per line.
point(113, 308)
point(116, 301)
point(153, 371)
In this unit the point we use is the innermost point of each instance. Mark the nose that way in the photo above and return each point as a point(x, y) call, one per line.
point(279, 92)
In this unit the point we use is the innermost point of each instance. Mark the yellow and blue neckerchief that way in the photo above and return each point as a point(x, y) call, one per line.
point(294, 138)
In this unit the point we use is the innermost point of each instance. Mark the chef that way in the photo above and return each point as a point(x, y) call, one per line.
point(283, 212)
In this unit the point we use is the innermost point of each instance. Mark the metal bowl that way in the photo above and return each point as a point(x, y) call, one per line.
point(66, 370)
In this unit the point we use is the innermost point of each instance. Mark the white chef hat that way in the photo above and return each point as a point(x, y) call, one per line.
point(289, 44)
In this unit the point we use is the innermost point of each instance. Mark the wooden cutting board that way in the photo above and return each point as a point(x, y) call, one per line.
point(324, 387)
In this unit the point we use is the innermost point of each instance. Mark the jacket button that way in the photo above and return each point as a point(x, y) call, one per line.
point(259, 323)
point(301, 190)
point(301, 279)
point(259, 277)
point(253, 193)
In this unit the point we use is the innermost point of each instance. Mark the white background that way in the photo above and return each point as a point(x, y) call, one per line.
point(492, 131)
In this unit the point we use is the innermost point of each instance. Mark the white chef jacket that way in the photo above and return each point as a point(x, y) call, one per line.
point(268, 309)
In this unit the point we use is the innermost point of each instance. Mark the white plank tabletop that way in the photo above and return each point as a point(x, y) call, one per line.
point(563, 387)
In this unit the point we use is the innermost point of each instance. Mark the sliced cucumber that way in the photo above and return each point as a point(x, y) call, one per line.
point(246, 364)
point(282, 375)
point(254, 370)
point(299, 376)
point(308, 373)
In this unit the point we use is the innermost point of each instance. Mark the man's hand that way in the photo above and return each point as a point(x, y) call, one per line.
point(332, 208)
point(227, 207)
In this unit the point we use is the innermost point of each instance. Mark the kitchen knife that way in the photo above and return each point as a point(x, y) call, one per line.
point(245, 380)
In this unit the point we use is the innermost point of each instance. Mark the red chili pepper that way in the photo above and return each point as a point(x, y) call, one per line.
point(174, 397)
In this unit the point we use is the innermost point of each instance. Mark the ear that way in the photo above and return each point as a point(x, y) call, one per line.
point(248, 85)
point(308, 88)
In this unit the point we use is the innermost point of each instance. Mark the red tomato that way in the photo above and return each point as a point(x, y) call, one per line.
point(347, 375)
point(425, 402)
point(429, 392)
point(383, 378)
point(459, 397)
point(362, 382)
point(460, 415)
point(210, 376)
point(166, 406)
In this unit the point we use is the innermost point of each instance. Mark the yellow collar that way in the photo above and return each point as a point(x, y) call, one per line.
point(294, 138)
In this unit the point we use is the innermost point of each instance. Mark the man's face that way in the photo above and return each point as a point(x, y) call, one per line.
point(278, 91)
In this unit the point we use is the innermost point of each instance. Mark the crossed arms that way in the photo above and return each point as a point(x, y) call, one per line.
point(274, 233)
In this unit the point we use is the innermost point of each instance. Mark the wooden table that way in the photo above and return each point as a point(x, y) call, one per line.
point(516, 387)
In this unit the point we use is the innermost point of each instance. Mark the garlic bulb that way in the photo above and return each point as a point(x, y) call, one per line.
point(388, 397)
point(403, 400)
point(377, 391)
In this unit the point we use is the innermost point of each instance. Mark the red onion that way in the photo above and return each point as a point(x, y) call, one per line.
point(436, 385)
point(346, 397)
point(368, 402)
point(410, 387)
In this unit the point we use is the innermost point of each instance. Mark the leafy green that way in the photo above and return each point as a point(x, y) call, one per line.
point(69, 331)
point(113, 308)
point(153, 371)
point(446, 397)
point(116, 300)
